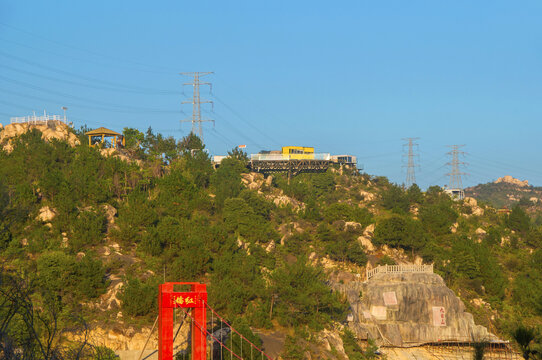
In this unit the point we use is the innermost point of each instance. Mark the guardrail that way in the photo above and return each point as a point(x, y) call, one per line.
point(33, 119)
point(282, 157)
point(399, 269)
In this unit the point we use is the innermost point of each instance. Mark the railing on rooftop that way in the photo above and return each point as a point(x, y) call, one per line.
point(282, 157)
point(399, 269)
point(34, 119)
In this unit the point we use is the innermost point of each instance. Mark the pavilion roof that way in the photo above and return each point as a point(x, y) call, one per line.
point(102, 131)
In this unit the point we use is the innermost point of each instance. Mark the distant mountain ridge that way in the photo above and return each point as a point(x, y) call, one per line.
point(506, 191)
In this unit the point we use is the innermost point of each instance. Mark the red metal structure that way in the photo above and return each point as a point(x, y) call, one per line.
point(195, 299)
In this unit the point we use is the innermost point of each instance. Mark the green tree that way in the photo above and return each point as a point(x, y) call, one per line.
point(227, 180)
point(345, 212)
point(525, 337)
point(400, 231)
point(139, 297)
point(302, 297)
point(346, 248)
point(240, 219)
point(239, 155)
point(438, 218)
point(236, 281)
point(414, 194)
point(104, 353)
point(64, 275)
point(87, 229)
point(518, 219)
point(394, 198)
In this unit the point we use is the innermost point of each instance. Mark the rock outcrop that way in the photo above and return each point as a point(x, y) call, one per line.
point(409, 310)
point(511, 180)
point(52, 129)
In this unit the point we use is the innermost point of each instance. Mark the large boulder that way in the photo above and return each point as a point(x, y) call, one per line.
point(51, 130)
point(46, 214)
point(410, 309)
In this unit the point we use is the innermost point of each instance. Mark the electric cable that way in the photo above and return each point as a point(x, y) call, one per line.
point(157, 92)
point(98, 108)
point(67, 73)
point(88, 51)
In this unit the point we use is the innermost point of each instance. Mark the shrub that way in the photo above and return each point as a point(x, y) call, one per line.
point(63, 274)
point(345, 212)
point(139, 298)
point(518, 219)
point(87, 229)
point(346, 248)
point(400, 231)
point(438, 218)
point(303, 298)
point(395, 199)
point(104, 353)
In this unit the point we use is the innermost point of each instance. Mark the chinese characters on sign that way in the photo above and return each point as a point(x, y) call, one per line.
point(390, 298)
point(439, 316)
point(187, 300)
point(182, 299)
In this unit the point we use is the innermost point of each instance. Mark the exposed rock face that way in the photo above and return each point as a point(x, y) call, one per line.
point(130, 339)
point(473, 204)
point(366, 242)
point(511, 180)
point(352, 225)
point(409, 310)
point(46, 214)
point(51, 130)
point(367, 196)
point(331, 340)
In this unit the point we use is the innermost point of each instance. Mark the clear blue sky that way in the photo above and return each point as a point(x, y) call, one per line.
point(345, 77)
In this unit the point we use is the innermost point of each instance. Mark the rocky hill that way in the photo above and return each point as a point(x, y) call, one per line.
point(52, 129)
point(93, 235)
point(410, 309)
point(506, 192)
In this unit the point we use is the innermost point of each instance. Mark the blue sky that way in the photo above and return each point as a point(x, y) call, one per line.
point(353, 77)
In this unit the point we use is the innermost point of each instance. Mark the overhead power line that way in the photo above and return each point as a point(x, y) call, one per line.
point(95, 53)
point(249, 123)
point(98, 87)
point(72, 104)
point(101, 103)
point(86, 78)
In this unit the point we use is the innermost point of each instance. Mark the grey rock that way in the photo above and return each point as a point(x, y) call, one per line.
point(411, 313)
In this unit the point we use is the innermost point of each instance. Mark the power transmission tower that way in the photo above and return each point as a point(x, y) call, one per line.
point(411, 165)
point(196, 102)
point(455, 185)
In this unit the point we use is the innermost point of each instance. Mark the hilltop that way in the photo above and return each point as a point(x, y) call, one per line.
point(506, 191)
point(88, 234)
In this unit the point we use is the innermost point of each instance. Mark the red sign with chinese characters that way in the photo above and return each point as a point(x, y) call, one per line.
point(183, 299)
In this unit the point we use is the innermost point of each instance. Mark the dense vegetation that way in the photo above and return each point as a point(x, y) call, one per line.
point(180, 219)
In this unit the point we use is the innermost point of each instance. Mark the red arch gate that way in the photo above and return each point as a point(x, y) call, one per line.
point(168, 300)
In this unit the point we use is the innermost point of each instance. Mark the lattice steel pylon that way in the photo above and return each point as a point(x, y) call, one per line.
point(196, 102)
point(455, 173)
point(411, 164)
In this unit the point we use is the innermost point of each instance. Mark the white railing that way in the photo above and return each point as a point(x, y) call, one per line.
point(399, 269)
point(281, 157)
point(33, 119)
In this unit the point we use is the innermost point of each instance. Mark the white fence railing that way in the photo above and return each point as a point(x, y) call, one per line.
point(34, 119)
point(399, 269)
point(281, 157)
